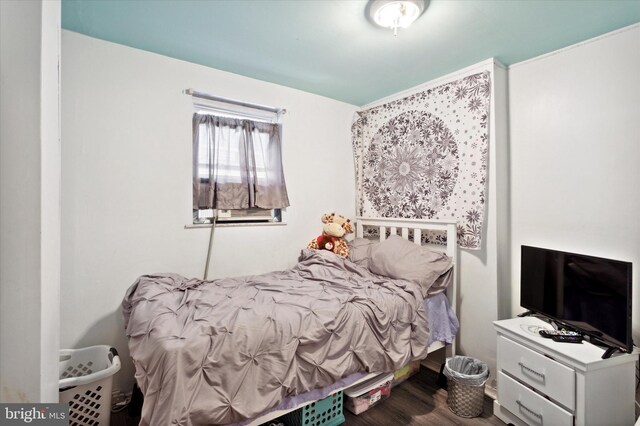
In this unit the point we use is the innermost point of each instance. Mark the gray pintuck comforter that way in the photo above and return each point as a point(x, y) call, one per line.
point(218, 352)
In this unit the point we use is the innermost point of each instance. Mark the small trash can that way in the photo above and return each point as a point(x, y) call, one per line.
point(466, 379)
point(85, 377)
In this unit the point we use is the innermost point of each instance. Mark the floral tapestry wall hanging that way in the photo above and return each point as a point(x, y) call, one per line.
point(425, 156)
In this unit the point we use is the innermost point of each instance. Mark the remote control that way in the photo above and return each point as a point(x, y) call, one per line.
point(567, 339)
point(551, 333)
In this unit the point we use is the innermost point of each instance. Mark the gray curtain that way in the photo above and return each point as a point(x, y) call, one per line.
point(237, 164)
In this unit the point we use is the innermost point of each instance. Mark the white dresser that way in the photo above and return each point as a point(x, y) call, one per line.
point(542, 382)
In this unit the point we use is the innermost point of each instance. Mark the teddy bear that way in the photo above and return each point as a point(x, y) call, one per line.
point(326, 242)
point(335, 227)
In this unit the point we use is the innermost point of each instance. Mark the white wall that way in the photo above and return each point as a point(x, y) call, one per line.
point(484, 273)
point(480, 273)
point(126, 180)
point(575, 153)
point(29, 200)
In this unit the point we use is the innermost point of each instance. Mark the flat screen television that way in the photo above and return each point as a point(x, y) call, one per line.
point(586, 293)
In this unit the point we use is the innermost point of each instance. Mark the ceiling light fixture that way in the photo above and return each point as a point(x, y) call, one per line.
point(395, 14)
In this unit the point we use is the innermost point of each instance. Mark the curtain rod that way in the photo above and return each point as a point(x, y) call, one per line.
point(202, 95)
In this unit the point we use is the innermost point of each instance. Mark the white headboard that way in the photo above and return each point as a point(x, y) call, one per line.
point(401, 227)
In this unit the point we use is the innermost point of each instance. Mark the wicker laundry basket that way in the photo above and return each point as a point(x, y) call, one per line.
point(466, 379)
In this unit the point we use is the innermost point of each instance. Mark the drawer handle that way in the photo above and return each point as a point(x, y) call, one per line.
point(529, 410)
point(531, 370)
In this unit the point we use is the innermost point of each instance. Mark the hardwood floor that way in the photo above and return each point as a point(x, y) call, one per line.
point(418, 401)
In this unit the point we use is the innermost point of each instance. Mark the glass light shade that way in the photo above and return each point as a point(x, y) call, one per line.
point(396, 14)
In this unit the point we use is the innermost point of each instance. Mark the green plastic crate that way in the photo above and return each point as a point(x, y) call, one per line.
point(325, 412)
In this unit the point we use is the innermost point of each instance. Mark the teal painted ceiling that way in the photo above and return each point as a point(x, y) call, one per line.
point(328, 47)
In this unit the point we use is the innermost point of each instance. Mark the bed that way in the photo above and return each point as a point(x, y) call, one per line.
point(246, 350)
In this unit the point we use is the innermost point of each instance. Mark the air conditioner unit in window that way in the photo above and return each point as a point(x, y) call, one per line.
point(247, 215)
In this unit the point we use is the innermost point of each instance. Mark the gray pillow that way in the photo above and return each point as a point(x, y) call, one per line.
point(360, 251)
point(441, 284)
point(398, 258)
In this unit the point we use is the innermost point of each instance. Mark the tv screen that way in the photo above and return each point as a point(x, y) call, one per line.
point(590, 294)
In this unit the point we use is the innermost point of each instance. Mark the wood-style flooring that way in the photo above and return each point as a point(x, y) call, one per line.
point(418, 401)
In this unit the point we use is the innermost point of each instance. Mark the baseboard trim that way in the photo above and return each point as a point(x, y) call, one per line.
point(491, 392)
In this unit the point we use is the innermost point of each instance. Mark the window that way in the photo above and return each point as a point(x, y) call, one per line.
point(237, 166)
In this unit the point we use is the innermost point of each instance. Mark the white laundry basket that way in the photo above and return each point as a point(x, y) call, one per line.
point(85, 383)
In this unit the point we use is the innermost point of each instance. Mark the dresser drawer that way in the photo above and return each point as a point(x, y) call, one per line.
point(544, 374)
point(532, 408)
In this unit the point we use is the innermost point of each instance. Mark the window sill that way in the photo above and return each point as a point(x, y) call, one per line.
point(235, 225)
